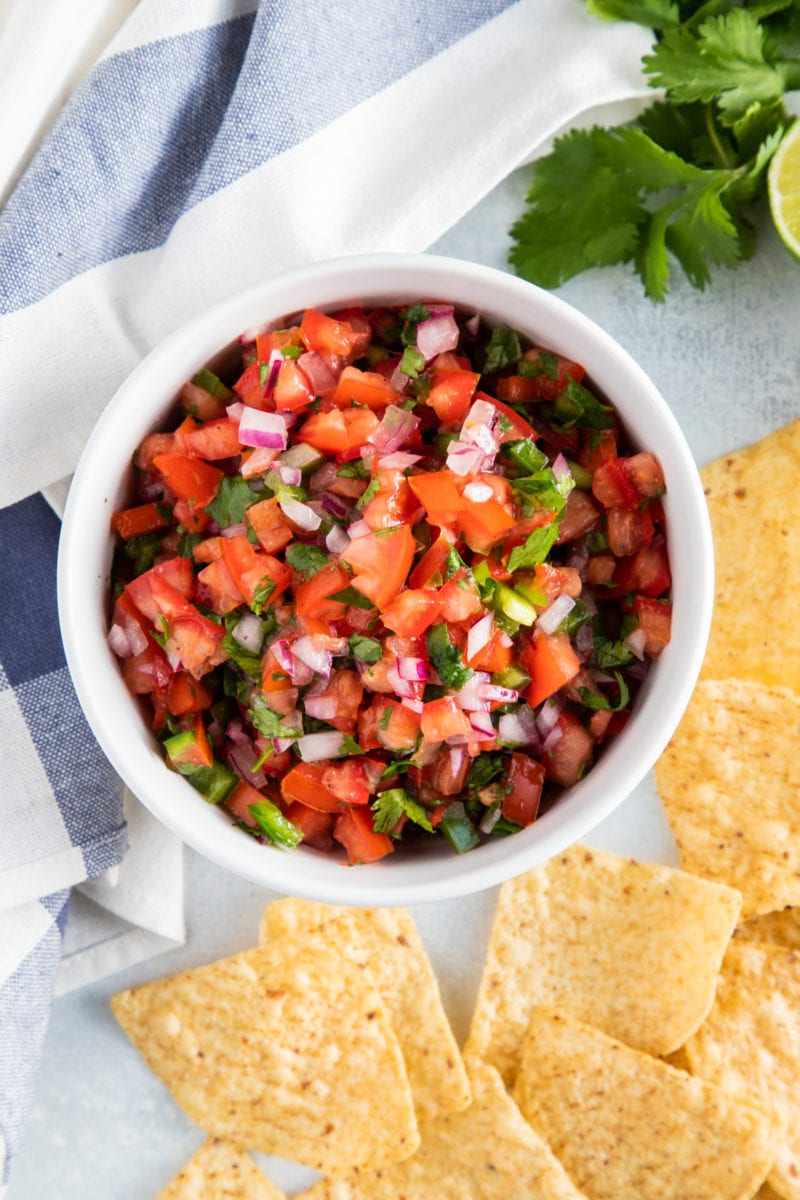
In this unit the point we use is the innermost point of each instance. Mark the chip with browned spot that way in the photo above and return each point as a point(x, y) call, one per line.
point(219, 1171)
point(630, 946)
point(626, 1125)
point(384, 943)
point(775, 928)
point(286, 1049)
point(730, 782)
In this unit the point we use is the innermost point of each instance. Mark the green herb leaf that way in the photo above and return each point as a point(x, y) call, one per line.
point(608, 654)
point(357, 469)
point(412, 362)
point(306, 560)
point(502, 349)
point(576, 405)
point(446, 658)
point(485, 770)
point(352, 596)
point(212, 383)
point(141, 551)
point(268, 722)
point(596, 701)
point(371, 490)
point(367, 649)
point(263, 594)
point(234, 497)
point(250, 663)
point(458, 829)
point(536, 549)
point(654, 14)
point(389, 806)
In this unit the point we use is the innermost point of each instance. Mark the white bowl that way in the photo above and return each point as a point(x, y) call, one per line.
point(102, 485)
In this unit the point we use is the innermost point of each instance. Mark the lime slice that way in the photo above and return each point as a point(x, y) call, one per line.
point(784, 189)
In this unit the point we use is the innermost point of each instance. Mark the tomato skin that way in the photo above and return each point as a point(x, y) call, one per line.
point(655, 618)
point(412, 611)
point(304, 784)
point(347, 690)
point(347, 780)
point(311, 597)
point(248, 386)
point(439, 496)
point(483, 522)
point(250, 568)
point(581, 515)
point(571, 754)
point(431, 563)
point(512, 427)
point(442, 719)
point(363, 845)
point(613, 486)
point(214, 439)
point(646, 572)
point(551, 662)
point(218, 589)
point(276, 339)
point(451, 394)
point(459, 599)
point(524, 783)
point(269, 525)
point(388, 724)
point(443, 777)
point(144, 518)
point(242, 796)
point(381, 561)
point(393, 504)
point(367, 388)
point(565, 369)
point(292, 389)
point(628, 530)
point(338, 431)
point(186, 695)
point(327, 335)
point(316, 827)
point(189, 479)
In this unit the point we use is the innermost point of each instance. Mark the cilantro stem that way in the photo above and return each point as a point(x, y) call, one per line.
point(719, 149)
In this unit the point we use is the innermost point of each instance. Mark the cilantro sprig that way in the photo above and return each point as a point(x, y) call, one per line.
point(676, 185)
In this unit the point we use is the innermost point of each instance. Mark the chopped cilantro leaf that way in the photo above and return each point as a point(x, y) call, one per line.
point(389, 806)
point(357, 469)
point(536, 548)
point(412, 362)
point(608, 654)
point(595, 700)
point(576, 405)
point(162, 635)
point(545, 364)
point(486, 769)
point(268, 722)
point(371, 490)
point(350, 745)
point(141, 551)
point(306, 560)
point(502, 349)
point(385, 717)
point(263, 594)
point(234, 497)
point(352, 596)
point(212, 383)
point(367, 649)
point(251, 663)
point(292, 351)
point(453, 563)
point(446, 658)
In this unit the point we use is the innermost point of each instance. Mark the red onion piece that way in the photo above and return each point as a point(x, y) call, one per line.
point(463, 739)
point(322, 479)
point(473, 324)
point(119, 642)
point(402, 687)
point(233, 530)
point(478, 492)
point(412, 668)
point(283, 656)
point(320, 661)
point(323, 708)
point(259, 461)
point(317, 372)
point(358, 529)
point(437, 335)
point(315, 747)
point(548, 715)
point(552, 739)
point(561, 469)
point(337, 540)
point(469, 696)
point(243, 758)
point(273, 370)
point(398, 379)
point(464, 458)
point(395, 428)
point(583, 642)
point(551, 618)
point(249, 632)
point(482, 722)
point(415, 705)
point(235, 410)
point(291, 476)
point(258, 428)
point(457, 756)
point(300, 514)
point(499, 695)
point(518, 728)
point(399, 461)
point(480, 635)
point(637, 639)
point(334, 505)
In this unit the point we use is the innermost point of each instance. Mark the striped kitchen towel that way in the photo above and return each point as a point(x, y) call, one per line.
point(211, 144)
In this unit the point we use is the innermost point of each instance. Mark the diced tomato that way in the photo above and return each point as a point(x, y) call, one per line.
point(483, 522)
point(249, 388)
point(188, 425)
point(600, 446)
point(305, 784)
point(655, 618)
point(347, 690)
point(338, 431)
point(497, 655)
point(581, 515)
point(523, 789)
point(311, 598)
point(460, 599)
point(218, 589)
point(196, 750)
point(431, 564)
point(511, 426)
point(646, 572)
point(276, 339)
point(214, 439)
point(189, 479)
point(239, 801)
point(389, 724)
point(144, 518)
point(260, 578)
point(190, 516)
point(331, 336)
point(442, 719)
point(569, 758)
point(364, 388)
point(381, 562)
point(148, 671)
point(269, 525)
point(195, 642)
point(153, 445)
point(556, 372)
point(363, 845)
point(273, 677)
point(645, 472)
point(316, 827)
point(551, 662)
point(347, 780)
point(162, 593)
point(600, 569)
point(557, 581)
point(451, 394)
point(186, 695)
point(613, 486)
point(292, 389)
point(438, 494)
point(393, 504)
point(628, 530)
point(412, 611)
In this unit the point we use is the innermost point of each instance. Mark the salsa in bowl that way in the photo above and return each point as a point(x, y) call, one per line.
point(390, 574)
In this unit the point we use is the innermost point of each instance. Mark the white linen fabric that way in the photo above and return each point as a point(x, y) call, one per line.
point(206, 145)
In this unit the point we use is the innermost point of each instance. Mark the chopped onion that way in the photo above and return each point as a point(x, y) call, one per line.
point(482, 722)
point(464, 459)
point(480, 635)
point(561, 469)
point(233, 530)
point(478, 427)
point(437, 335)
point(358, 529)
point(258, 428)
point(402, 687)
point(318, 660)
point(243, 758)
point(548, 716)
point(412, 668)
point(469, 696)
point(463, 739)
point(282, 652)
point(399, 461)
point(415, 705)
point(457, 755)
point(500, 695)
point(551, 618)
point(478, 492)
point(317, 372)
point(334, 505)
point(259, 461)
point(119, 642)
point(322, 708)
point(637, 640)
point(473, 324)
point(291, 476)
point(322, 479)
point(552, 739)
point(337, 540)
point(490, 819)
point(395, 428)
point(249, 632)
point(583, 641)
point(300, 514)
point(398, 378)
point(273, 370)
point(518, 728)
point(314, 747)
point(235, 410)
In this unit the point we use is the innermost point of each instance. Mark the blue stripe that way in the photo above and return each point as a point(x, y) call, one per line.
point(30, 644)
point(156, 130)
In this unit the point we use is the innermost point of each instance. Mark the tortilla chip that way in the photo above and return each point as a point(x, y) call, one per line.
point(485, 1152)
point(776, 928)
point(730, 782)
point(385, 943)
point(751, 497)
point(751, 1042)
point(632, 947)
point(220, 1172)
point(284, 1049)
point(627, 1125)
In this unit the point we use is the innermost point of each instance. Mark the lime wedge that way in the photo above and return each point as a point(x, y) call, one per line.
point(784, 189)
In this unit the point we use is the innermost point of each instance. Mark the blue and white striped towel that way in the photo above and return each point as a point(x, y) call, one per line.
point(213, 143)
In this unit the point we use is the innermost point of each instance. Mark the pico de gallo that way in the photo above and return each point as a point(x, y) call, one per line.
point(390, 575)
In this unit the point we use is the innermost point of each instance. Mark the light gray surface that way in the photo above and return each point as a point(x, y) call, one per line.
point(728, 363)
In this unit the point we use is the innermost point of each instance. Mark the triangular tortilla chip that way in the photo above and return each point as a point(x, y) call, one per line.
point(385, 943)
point(627, 1126)
point(633, 947)
point(730, 782)
point(751, 1042)
point(751, 498)
point(485, 1152)
point(284, 1049)
point(218, 1171)
point(775, 928)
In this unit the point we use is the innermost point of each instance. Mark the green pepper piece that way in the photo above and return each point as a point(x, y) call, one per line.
point(513, 604)
point(458, 829)
point(212, 383)
point(274, 824)
point(214, 783)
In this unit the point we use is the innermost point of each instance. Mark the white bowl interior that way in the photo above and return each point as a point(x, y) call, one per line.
point(102, 485)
